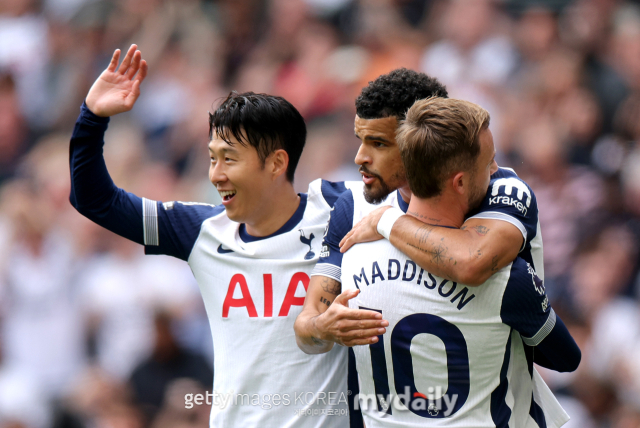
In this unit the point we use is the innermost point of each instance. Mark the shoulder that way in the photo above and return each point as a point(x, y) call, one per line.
point(505, 182)
point(193, 209)
point(330, 191)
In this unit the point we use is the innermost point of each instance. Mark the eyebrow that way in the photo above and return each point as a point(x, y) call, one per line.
point(226, 150)
point(374, 137)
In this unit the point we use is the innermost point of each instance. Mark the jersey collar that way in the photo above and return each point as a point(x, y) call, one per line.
point(289, 225)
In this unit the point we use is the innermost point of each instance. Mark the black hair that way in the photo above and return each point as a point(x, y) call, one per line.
point(262, 121)
point(392, 94)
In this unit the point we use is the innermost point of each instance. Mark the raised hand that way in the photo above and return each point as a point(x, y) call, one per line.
point(366, 230)
point(349, 327)
point(118, 88)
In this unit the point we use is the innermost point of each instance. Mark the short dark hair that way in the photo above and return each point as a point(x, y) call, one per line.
point(439, 137)
point(393, 93)
point(262, 121)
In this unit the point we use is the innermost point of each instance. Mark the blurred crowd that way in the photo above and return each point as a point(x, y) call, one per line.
point(95, 334)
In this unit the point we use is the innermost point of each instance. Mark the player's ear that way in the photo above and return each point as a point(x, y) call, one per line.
point(459, 182)
point(278, 163)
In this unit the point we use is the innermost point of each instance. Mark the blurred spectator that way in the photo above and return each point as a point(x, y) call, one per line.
point(169, 362)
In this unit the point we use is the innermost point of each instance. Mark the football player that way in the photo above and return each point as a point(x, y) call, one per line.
point(452, 353)
point(251, 256)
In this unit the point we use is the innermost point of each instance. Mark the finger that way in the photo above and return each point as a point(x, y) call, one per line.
point(346, 237)
point(361, 334)
point(144, 68)
point(135, 65)
point(345, 296)
point(346, 244)
point(114, 60)
point(364, 325)
point(358, 314)
point(363, 341)
point(126, 62)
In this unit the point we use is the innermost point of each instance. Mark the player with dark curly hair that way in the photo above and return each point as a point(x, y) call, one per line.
point(392, 94)
point(379, 108)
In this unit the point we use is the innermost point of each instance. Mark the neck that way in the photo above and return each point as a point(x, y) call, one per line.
point(405, 192)
point(442, 210)
point(279, 208)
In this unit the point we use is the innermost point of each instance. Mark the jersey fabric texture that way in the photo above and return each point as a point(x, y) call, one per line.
point(508, 199)
point(452, 355)
point(253, 289)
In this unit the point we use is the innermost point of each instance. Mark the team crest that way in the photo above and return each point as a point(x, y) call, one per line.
point(307, 241)
point(537, 282)
point(433, 410)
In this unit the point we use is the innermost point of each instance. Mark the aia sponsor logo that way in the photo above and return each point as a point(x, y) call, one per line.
point(238, 287)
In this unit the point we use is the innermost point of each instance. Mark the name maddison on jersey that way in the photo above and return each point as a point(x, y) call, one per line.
point(409, 272)
point(510, 184)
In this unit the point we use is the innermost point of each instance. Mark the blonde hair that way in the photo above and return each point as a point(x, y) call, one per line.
point(439, 137)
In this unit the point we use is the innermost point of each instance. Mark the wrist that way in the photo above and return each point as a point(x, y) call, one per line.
point(387, 220)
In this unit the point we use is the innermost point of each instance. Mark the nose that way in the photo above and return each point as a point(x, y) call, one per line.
point(217, 173)
point(363, 156)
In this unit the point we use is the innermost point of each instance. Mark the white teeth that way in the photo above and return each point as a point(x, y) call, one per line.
point(225, 193)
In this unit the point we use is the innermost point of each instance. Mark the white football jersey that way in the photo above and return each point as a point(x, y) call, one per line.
point(508, 199)
point(452, 355)
point(253, 290)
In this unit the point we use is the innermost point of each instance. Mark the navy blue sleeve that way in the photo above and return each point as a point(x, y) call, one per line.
point(558, 351)
point(525, 305)
point(510, 199)
point(340, 223)
point(526, 308)
point(161, 229)
point(93, 193)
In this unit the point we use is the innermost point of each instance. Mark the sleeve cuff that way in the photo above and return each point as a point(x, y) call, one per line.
point(543, 332)
point(89, 115)
point(495, 215)
point(328, 270)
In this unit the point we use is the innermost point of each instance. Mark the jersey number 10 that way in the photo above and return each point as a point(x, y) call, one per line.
point(401, 336)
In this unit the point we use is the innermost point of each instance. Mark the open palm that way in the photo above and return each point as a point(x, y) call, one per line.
point(118, 88)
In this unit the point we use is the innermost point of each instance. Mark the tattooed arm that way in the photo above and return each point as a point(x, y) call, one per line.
point(469, 255)
point(327, 319)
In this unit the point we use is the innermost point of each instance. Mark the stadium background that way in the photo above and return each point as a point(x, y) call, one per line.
point(92, 333)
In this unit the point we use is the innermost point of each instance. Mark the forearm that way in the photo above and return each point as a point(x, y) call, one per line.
point(321, 293)
point(558, 351)
point(307, 335)
point(448, 253)
point(93, 192)
point(469, 255)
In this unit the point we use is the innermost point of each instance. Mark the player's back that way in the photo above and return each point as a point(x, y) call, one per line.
point(448, 353)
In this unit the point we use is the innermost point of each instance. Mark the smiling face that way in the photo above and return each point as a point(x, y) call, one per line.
point(240, 177)
point(379, 157)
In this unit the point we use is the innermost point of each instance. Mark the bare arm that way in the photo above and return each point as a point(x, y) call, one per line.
point(327, 319)
point(469, 255)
